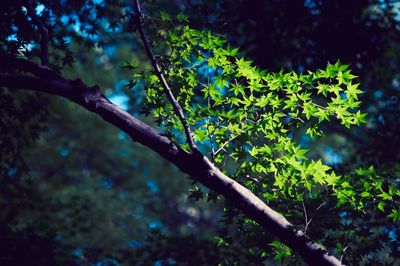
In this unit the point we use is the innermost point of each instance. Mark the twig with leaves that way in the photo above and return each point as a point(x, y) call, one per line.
point(138, 25)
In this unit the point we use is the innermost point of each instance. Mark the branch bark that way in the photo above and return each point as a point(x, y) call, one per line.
point(193, 164)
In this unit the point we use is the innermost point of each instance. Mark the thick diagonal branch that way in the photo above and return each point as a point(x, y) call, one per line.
point(177, 108)
point(194, 164)
point(44, 33)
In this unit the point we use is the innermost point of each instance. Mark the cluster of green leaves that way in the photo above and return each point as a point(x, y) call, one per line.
point(244, 116)
point(239, 111)
point(368, 188)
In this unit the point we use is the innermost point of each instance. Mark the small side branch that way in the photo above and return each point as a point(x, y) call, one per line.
point(44, 49)
point(307, 221)
point(226, 143)
point(138, 20)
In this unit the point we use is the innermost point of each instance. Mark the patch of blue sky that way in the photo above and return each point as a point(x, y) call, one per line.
point(312, 5)
point(205, 120)
point(30, 46)
point(247, 148)
point(124, 195)
point(106, 262)
point(92, 14)
point(64, 19)
point(121, 100)
point(145, 172)
point(99, 2)
point(112, 28)
point(205, 146)
point(121, 135)
point(121, 83)
point(300, 69)
point(343, 96)
point(212, 18)
point(67, 39)
point(305, 141)
point(138, 87)
point(25, 11)
point(193, 62)
point(137, 214)
point(58, 238)
point(78, 252)
point(331, 157)
point(39, 9)
point(64, 152)
point(12, 37)
point(154, 225)
point(169, 261)
point(135, 244)
point(110, 51)
point(73, 22)
point(137, 93)
point(152, 186)
point(378, 94)
point(205, 70)
point(381, 119)
point(106, 183)
point(135, 163)
point(392, 234)
point(12, 171)
point(124, 153)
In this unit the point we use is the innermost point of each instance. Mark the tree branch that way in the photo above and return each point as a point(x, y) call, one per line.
point(28, 66)
point(194, 164)
point(44, 49)
point(138, 19)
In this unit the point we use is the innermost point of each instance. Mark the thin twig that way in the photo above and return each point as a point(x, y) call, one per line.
point(44, 33)
point(305, 217)
point(344, 250)
point(138, 19)
point(234, 137)
point(226, 143)
point(346, 247)
point(308, 222)
point(211, 142)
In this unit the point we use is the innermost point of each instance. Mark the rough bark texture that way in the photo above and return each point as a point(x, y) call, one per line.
point(194, 164)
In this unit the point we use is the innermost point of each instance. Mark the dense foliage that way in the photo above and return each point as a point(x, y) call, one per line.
point(240, 112)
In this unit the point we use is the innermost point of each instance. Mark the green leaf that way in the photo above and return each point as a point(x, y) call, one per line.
point(381, 206)
point(353, 91)
point(165, 16)
point(395, 215)
point(181, 17)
